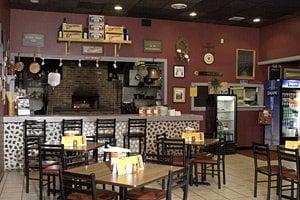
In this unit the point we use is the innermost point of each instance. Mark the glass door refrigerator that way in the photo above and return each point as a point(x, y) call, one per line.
point(282, 97)
point(221, 119)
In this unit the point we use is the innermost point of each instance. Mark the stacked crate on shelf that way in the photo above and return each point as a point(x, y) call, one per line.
point(96, 27)
point(72, 31)
point(114, 33)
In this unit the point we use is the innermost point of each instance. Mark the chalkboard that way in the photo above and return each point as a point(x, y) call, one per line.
point(199, 102)
point(245, 64)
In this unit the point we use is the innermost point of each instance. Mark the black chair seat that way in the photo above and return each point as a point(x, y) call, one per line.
point(146, 194)
point(100, 195)
point(46, 163)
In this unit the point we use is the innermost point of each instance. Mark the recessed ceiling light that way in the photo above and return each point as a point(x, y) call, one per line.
point(193, 14)
point(178, 6)
point(236, 18)
point(256, 20)
point(118, 7)
point(35, 1)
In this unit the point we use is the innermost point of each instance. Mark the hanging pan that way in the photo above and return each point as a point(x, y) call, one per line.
point(19, 66)
point(34, 67)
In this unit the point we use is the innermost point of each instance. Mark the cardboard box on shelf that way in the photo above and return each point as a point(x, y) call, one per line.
point(114, 37)
point(72, 35)
point(96, 35)
point(114, 29)
point(96, 27)
point(96, 18)
point(71, 27)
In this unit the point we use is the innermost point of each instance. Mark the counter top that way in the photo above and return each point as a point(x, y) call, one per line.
point(121, 117)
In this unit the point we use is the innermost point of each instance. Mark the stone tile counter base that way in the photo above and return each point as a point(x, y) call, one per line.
point(14, 130)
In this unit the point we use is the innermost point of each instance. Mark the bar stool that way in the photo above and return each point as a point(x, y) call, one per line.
point(34, 131)
point(106, 131)
point(72, 125)
point(137, 129)
point(73, 159)
point(35, 128)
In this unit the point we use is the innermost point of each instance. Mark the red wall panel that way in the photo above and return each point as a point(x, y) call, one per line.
point(280, 39)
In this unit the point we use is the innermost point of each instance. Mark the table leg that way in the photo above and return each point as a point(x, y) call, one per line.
point(86, 155)
point(123, 193)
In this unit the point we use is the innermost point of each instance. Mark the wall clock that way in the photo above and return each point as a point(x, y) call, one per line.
point(208, 58)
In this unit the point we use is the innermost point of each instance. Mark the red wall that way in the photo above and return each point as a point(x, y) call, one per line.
point(280, 40)
point(4, 17)
point(4, 20)
point(196, 34)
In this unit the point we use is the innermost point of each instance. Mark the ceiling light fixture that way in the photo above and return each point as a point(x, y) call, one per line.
point(60, 62)
point(34, 1)
point(193, 14)
point(236, 18)
point(79, 63)
point(256, 20)
point(118, 7)
point(178, 6)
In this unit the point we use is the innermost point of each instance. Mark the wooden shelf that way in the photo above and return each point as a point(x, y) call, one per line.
point(93, 41)
point(117, 43)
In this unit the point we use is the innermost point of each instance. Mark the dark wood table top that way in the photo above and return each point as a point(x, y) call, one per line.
point(86, 148)
point(152, 172)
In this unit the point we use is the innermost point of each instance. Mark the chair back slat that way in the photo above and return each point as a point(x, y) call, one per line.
point(172, 148)
point(137, 126)
point(159, 146)
point(33, 128)
point(53, 152)
point(106, 129)
point(261, 152)
point(79, 183)
point(72, 125)
point(178, 179)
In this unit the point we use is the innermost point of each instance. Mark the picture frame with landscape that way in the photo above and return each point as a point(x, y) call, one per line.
point(245, 64)
point(179, 95)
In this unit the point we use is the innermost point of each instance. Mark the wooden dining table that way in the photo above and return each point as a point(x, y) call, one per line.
point(85, 149)
point(151, 172)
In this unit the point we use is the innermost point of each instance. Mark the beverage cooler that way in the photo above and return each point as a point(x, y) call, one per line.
point(282, 97)
point(221, 119)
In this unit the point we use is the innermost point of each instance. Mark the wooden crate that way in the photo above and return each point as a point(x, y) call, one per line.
point(72, 27)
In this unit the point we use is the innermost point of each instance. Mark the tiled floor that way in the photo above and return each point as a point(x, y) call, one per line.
point(239, 184)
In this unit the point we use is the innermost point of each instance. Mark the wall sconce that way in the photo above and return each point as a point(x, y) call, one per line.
point(182, 50)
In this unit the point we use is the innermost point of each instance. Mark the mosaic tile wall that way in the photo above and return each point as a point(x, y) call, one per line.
point(13, 137)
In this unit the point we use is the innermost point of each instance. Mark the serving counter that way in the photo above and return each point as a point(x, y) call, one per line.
point(13, 131)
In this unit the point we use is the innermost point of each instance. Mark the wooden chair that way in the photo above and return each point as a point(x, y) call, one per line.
point(137, 129)
point(178, 179)
point(218, 160)
point(262, 152)
point(82, 187)
point(159, 146)
point(106, 131)
point(73, 159)
point(50, 152)
point(72, 125)
point(289, 164)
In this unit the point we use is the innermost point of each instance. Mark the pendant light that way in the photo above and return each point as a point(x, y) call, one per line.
point(97, 63)
point(153, 73)
point(79, 63)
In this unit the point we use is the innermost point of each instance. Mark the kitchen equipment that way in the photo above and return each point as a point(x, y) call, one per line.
point(54, 79)
point(163, 110)
point(148, 80)
point(19, 66)
point(34, 67)
point(153, 73)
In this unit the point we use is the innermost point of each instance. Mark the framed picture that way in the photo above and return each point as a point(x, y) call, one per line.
point(245, 64)
point(92, 49)
point(152, 46)
point(179, 95)
point(178, 71)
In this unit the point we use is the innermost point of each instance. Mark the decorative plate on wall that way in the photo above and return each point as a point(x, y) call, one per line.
point(208, 58)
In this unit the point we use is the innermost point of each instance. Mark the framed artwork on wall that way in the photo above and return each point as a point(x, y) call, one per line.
point(152, 46)
point(178, 71)
point(179, 95)
point(245, 64)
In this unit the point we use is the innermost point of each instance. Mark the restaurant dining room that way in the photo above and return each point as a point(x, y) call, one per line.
point(149, 99)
